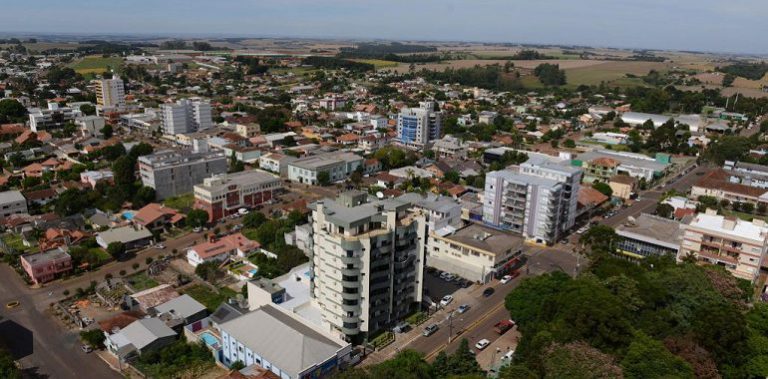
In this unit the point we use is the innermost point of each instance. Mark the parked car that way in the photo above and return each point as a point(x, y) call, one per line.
point(447, 299)
point(444, 274)
point(430, 330)
point(488, 292)
point(463, 308)
point(482, 344)
point(505, 279)
point(466, 283)
point(401, 327)
point(449, 277)
point(503, 326)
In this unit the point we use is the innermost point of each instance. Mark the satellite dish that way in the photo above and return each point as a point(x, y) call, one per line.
point(380, 195)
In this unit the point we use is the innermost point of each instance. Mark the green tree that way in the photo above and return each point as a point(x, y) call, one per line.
point(8, 368)
point(141, 149)
point(550, 74)
point(569, 143)
point(107, 131)
point(664, 210)
point(603, 188)
point(647, 358)
point(463, 362)
point(88, 109)
point(116, 249)
point(323, 178)
point(578, 360)
point(124, 172)
point(94, 338)
point(12, 109)
point(600, 238)
point(208, 271)
point(452, 176)
point(254, 219)
point(197, 218)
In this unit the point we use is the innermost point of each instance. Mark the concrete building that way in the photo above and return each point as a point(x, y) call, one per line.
point(282, 343)
point(91, 125)
point(338, 165)
point(748, 174)
point(649, 236)
point(110, 93)
point(736, 244)
point(54, 117)
point(275, 162)
point(139, 337)
point(12, 202)
point(132, 236)
point(223, 195)
point(538, 198)
point(186, 116)
point(220, 249)
point(416, 127)
point(367, 263)
point(450, 147)
point(173, 173)
point(46, 266)
point(602, 165)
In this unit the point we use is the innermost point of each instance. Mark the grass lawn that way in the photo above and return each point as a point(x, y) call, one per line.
point(142, 281)
point(741, 215)
point(378, 63)
point(181, 202)
point(15, 242)
point(96, 64)
point(208, 297)
point(103, 255)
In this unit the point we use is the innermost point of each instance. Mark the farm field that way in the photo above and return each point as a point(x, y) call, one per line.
point(378, 63)
point(96, 64)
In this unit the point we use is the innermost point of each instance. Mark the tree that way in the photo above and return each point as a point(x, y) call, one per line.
point(569, 143)
point(116, 249)
point(8, 368)
point(107, 131)
point(208, 271)
point(600, 238)
point(197, 218)
point(525, 303)
point(747, 207)
point(578, 360)
point(144, 196)
point(648, 358)
point(141, 149)
point(88, 109)
point(463, 362)
point(550, 74)
point(603, 188)
point(323, 178)
point(452, 176)
point(664, 210)
point(12, 109)
point(124, 171)
point(728, 80)
point(254, 219)
point(94, 338)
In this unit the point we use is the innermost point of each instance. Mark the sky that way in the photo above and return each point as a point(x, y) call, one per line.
point(737, 26)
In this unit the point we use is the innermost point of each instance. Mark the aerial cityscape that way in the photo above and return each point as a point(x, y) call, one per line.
point(433, 189)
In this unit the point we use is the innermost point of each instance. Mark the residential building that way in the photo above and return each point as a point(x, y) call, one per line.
point(333, 103)
point(748, 174)
point(221, 249)
point(46, 266)
point(366, 264)
point(139, 337)
point(487, 117)
point(738, 245)
point(416, 127)
point(248, 130)
point(180, 310)
point(173, 173)
point(12, 202)
point(92, 178)
point(157, 217)
point(282, 343)
point(623, 186)
point(538, 198)
point(450, 147)
point(338, 166)
point(717, 184)
point(649, 236)
point(186, 116)
point(602, 165)
point(110, 93)
point(91, 125)
point(53, 117)
point(223, 195)
point(146, 300)
point(275, 162)
point(132, 236)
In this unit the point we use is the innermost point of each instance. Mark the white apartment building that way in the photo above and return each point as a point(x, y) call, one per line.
point(366, 264)
point(738, 245)
point(537, 199)
point(186, 116)
point(91, 125)
point(110, 93)
point(51, 118)
point(12, 202)
point(338, 165)
point(416, 127)
point(173, 173)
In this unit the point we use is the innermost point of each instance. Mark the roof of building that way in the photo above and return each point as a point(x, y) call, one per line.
point(241, 178)
point(183, 306)
point(718, 179)
point(155, 296)
point(124, 234)
point(629, 159)
point(483, 238)
point(225, 244)
point(11, 197)
point(144, 331)
point(154, 211)
point(654, 229)
point(253, 371)
point(120, 320)
point(589, 196)
point(605, 162)
point(623, 179)
point(227, 312)
point(730, 226)
point(320, 161)
point(170, 157)
point(46, 256)
point(285, 341)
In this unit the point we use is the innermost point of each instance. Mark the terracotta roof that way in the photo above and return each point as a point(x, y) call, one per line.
point(224, 245)
point(41, 194)
point(589, 196)
point(253, 372)
point(12, 129)
point(349, 137)
point(682, 212)
point(718, 179)
point(457, 190)
point(154, 211)
point(119, 321)
point(605, 162)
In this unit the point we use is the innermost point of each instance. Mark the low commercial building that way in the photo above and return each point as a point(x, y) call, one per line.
point(738, 245)
point(337, 165)
point(717, 184)
point(173, 173)
point(217, 250)
point(225, 194)
point(275, 162)
point(649, 236)
point(748, 174)
point(12, 202)
point(602, 165)
point(283, 343)
point(46, 266)
point(473, 252)
point(132, 236)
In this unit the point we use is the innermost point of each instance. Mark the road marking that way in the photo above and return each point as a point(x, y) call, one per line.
point(467, 329)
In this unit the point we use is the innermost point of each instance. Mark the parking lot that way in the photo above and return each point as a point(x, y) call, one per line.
point(435, 287)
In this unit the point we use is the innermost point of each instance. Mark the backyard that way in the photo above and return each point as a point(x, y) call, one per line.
point(181, 203)
point(208, 297)
point(141, 281)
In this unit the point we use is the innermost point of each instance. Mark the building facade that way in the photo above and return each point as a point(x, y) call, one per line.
point(46, 266)
point(416, 127)
point(12, 202)
point(186, 116)
point(225, 194)
point(54, 117)
point(366, 264)
point(338, 166)
point(738, 245)
point(173, 173)
point(110, 93)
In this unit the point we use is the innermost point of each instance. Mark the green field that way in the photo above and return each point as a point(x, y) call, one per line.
point(96, 64)
point(378, 63)
point(142, 281)
point(208, 297)
point(181, 202)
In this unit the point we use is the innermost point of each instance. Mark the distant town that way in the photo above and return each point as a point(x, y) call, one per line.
point(276, 208)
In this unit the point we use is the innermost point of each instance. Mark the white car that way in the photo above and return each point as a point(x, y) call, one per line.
point(482, 344)
point(447, 299)
point(506, 279)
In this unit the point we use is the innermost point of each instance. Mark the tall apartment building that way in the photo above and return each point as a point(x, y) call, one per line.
point(173, 173)
point(416, 127)
point(224, 195)
point(366, 263)
point(537, 199)
point(186, 116)
point(53, 117)
point(110, 93)
point(738, 245)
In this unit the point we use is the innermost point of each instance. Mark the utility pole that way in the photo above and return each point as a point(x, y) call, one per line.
point(450, 327)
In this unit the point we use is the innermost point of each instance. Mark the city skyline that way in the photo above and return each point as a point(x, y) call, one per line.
point(685, 25)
